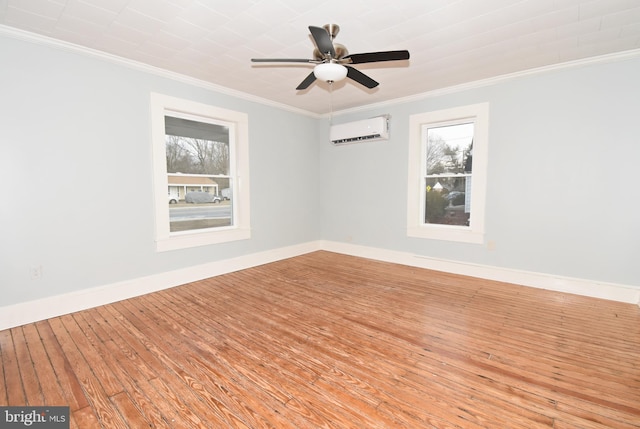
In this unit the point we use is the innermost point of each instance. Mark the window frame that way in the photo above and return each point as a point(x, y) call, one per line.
point(164, 105)
point(416, 195)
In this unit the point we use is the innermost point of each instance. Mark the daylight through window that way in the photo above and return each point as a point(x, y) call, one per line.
point(448, 164)
point(201, 174)
point(199, 182)
point(447, 174)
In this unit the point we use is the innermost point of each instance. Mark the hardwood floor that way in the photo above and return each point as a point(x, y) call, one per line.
point(327, 340)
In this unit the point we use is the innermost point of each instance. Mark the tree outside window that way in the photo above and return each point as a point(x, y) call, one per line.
point(198, 168)
point(201, 159)
point(448, 173)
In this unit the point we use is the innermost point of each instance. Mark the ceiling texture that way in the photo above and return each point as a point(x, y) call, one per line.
point(452, 42)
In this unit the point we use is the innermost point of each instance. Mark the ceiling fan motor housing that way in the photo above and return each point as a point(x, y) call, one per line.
point(341, 52)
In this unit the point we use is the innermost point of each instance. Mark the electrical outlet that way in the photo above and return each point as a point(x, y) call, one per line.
point(491, 245)
point(35, 271)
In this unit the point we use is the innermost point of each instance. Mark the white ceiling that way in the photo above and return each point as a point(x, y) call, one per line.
point(451, 42)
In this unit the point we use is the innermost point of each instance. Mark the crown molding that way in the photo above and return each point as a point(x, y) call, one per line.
point(59, 44)
point(601, 59)
point(139, 66)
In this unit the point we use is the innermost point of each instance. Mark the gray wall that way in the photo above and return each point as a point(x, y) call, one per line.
point(76, 172)
point(75, 167)
point(563, 191)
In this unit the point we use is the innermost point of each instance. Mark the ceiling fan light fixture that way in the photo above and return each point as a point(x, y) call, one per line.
point(330, 72)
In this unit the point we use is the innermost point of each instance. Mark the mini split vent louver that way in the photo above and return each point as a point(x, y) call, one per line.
point(360, 131)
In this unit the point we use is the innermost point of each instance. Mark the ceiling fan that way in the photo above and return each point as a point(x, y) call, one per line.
point(332, 59)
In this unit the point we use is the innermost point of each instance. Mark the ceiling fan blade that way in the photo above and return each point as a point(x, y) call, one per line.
point(282, 60)
point(323, 40)
point(307, 81)
point(374, 57)
point(361, 78)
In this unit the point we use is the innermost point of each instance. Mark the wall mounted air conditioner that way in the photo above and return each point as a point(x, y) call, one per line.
point(359, 131)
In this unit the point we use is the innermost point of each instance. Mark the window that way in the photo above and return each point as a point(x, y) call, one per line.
point(201, 180)
point(447, 174)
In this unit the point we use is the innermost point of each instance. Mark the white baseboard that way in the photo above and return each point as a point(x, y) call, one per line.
point(33, 311)
point(45, 308)
point(591, 288)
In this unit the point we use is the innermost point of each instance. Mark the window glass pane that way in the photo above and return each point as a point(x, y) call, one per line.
point(449, 154)
point(198, 170)
point(447, 174)
point(448, 200)
point(449, 148)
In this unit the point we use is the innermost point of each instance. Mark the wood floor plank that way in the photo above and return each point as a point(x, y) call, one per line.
point(88, 346)
point(67, 379)
point(30, 381)
point(177, 358)
point(85, 418)
point(174, 394)
point(238, 392)
point(14, 392)
point(4, 350)
point(342, 345)
point(298, 377)
point(191, 412)
point(130, 413)
point(92, 384)
point(51, 392)
point(3, 387)
point(205, 366)
point(325, 340)
point(147, 413)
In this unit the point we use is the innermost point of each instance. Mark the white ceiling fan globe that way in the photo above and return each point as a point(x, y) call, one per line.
point(330, 72)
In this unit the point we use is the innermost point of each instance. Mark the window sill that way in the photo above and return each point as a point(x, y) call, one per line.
point(447, 233)
point(199, 238)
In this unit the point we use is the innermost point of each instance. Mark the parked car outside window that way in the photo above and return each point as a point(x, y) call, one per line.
point(199, 197)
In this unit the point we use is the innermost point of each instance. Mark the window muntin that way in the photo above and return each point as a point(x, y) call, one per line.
point(200, 156)
point(448, 168)
point(447, 174)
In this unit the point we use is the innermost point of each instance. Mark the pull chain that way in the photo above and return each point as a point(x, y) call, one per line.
point(330, 102)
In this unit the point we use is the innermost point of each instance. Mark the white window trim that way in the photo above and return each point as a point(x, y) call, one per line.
point(416, 227)
point(165, 240)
